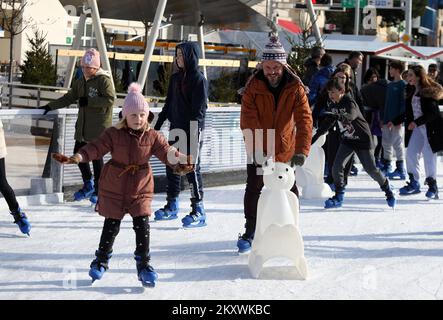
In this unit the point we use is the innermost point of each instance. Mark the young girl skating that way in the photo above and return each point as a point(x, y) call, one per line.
point(127, 183)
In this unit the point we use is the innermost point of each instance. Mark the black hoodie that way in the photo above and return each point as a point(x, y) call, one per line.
point(354, 129)
point(187, 93)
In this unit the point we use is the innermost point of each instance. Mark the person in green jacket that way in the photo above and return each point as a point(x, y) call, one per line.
point(94, 94)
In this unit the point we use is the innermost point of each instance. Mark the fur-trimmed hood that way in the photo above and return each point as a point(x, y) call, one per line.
point(434, 92)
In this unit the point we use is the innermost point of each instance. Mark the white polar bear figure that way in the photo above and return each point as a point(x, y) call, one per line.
point(277, 233)
point(310, 176)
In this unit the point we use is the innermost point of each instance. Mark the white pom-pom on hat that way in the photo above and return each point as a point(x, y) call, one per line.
point(135, 87)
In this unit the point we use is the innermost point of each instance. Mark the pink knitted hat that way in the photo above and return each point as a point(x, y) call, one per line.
point(134, 102)
point(91, 59)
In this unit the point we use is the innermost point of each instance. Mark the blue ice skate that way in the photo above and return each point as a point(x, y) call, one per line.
point(86, 191)
point(146, 274)
point(21, 220)
point(93, 198)
point(432, 192)
point(197, 218)
point(389, 192)
point(411, 187)
point(99, 265)
point(148, 277)
point(244, 243)
point(168, 212)
point(399, 173)
point(336, 201)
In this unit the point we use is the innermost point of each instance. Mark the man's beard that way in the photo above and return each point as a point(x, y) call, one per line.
point(274, 82)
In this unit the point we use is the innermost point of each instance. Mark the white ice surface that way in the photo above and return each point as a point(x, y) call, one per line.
point(362, 251)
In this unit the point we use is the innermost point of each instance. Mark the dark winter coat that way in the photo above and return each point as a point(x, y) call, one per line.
point(318, 81)
point(311, 68)
point(97, 115)
point(124, 187)
point(373, 99)
point(354, 129)
point(431, 117)
point(394, 110)
point(187, 96)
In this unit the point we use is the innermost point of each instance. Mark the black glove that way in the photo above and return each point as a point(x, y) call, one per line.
point(83, 102)
point(332, 115)
point(314, 138)
point(298, 159)
point(46, 108)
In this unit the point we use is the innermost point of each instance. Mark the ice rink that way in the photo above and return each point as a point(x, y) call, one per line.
point(363, 250)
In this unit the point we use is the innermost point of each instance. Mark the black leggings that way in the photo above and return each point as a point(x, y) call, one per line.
point(111, 228)
point(6, 189)
point(85, 169)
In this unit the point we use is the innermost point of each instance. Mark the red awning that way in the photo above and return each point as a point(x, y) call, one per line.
point(289, 25)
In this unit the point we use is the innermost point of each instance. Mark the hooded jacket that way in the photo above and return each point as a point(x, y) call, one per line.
point(431, 117)
point(187, 96)
point(93, 119)
point(311, 68)
point(354, 129)
point(318, 81)
point(291, 118)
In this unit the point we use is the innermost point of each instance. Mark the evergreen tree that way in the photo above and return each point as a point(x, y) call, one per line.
point(38, 67)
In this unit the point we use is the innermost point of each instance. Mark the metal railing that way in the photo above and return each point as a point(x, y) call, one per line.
point(34, 96)
point(32, 137)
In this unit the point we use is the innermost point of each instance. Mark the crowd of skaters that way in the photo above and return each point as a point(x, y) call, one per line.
point(396, 113)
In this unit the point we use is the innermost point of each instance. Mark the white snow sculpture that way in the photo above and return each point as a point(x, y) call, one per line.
point(277, 233)
point(310, 176)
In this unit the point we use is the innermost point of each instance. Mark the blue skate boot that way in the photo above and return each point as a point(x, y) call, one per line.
point(145, 272)
point(390, 198)
point(411, 187)
point(244, 243)
point(432, 192)
point(399, 173)
point(336, 201)
point(86, 191)
point(386, 167)
point(21, 220)
point(169, 211)
point(354, 171)
point(197, 217)
point(93, 198)
point(99, 265)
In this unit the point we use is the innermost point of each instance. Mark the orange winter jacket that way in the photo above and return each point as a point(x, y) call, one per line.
point(291, 120)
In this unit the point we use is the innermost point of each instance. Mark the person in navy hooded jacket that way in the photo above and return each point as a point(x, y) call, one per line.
point(185, 108)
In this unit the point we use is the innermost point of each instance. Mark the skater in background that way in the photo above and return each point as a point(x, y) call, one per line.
point(424, 131)
point(274, 98)
point(94, 94)
point(356, 138)
point(393, 118)
point(127, 183)
point(185, 108)
point(312, 64)
point(373, 95)
point(354, 60)
point(8, 193)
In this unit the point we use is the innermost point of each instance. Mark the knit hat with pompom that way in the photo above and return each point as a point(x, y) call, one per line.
point(274, 50)
point(135, 102)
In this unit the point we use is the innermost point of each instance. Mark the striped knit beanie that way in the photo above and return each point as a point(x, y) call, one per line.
point(274, 50)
